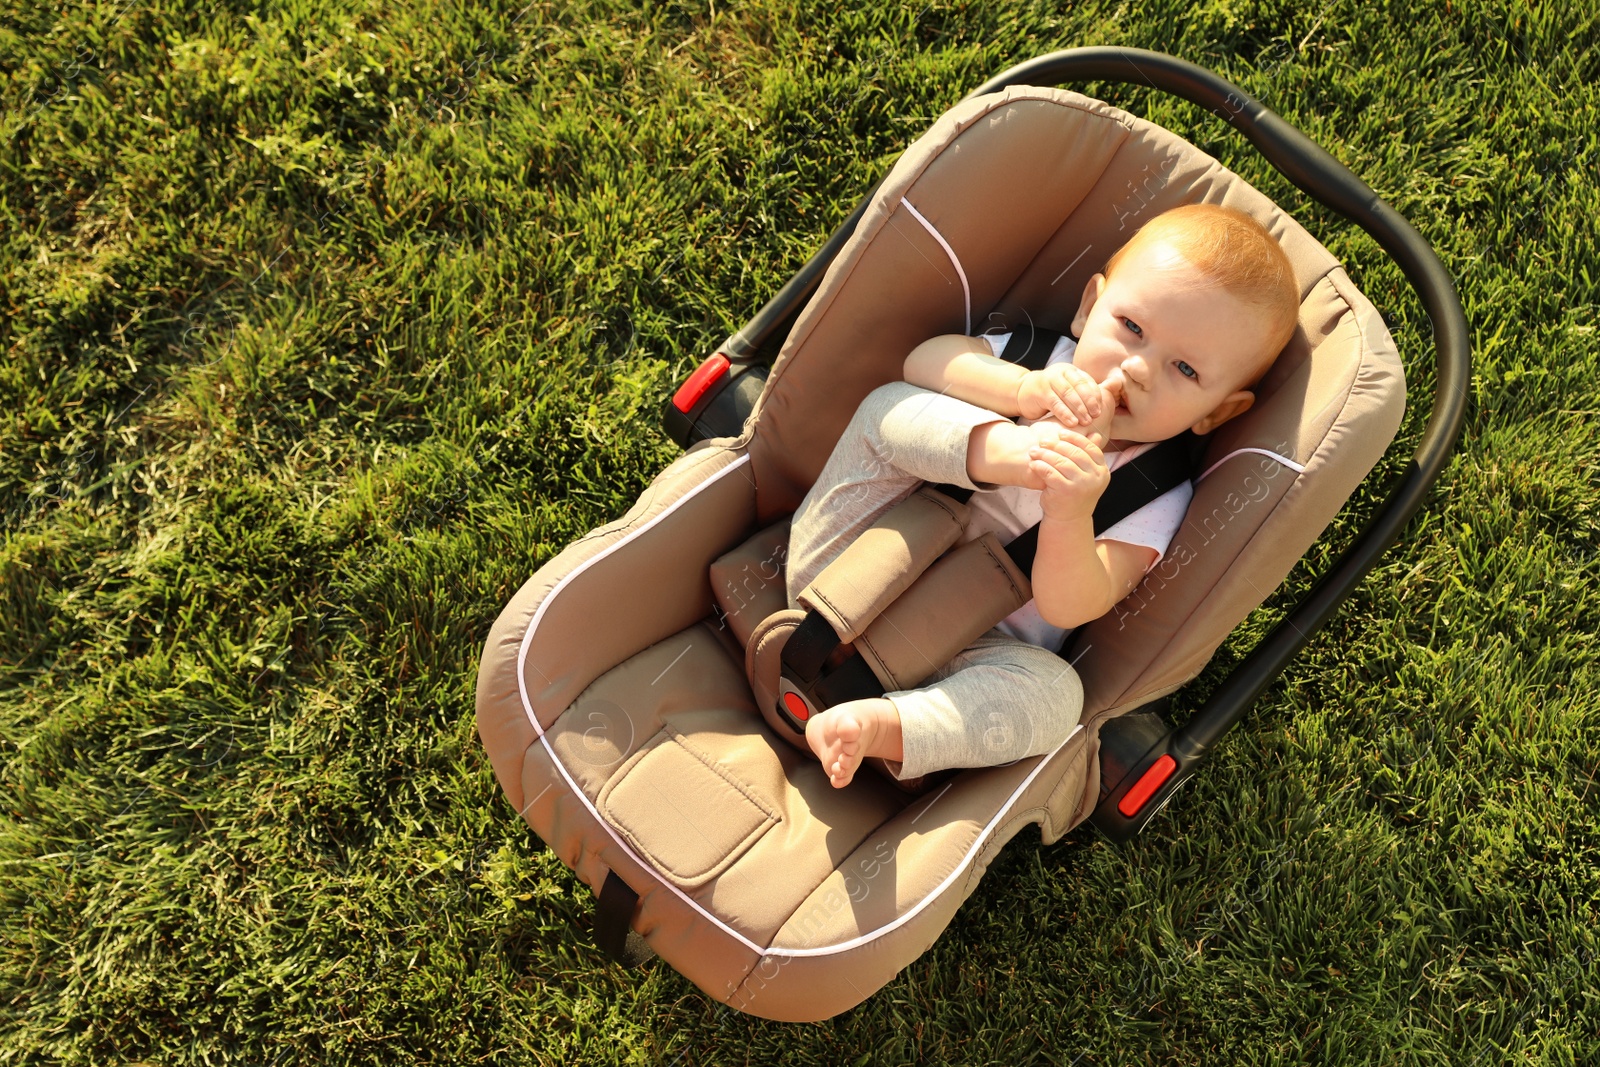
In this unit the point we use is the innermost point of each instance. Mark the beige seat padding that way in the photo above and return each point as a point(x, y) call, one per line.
point(796, 825)
point(748, 581)
point(763, 664)
point(659, 799)
point(805, 867)
point(884, 561)
point(620, 658)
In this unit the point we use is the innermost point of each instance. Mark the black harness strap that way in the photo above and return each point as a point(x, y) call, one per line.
point(809, 647)
point(1030, 346)
point(851, 680)
point(1133, 485)
point(807, 651)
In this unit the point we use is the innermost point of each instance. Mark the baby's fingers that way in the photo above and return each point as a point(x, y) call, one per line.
point(1077, 447)
point(1089, 393)
point(1065, 415)
point(1071, 408)
point(1049, 477)
point(1067, 460)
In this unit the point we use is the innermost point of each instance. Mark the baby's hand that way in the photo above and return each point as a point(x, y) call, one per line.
point(1064, 392)
point(1072, 472)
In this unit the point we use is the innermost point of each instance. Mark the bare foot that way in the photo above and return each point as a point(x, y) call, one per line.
point(998, 452)
point(848, 733)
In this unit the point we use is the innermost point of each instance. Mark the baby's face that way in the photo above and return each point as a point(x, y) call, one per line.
point(1175, 346)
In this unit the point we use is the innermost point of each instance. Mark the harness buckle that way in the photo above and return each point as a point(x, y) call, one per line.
point(807, 686)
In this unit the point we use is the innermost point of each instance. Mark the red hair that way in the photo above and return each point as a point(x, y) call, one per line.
point(1234, 250)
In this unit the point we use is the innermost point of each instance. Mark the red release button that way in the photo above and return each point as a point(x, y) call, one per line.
point(690, 392)
point(1151, 780)
point(796, 706)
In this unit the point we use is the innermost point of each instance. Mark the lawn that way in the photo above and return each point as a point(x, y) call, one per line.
point(325, 323)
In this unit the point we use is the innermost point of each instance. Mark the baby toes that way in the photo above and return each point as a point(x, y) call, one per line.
point(847, 730)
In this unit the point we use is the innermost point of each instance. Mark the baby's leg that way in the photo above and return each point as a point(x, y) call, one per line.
point(999, 700)
point(900, 437)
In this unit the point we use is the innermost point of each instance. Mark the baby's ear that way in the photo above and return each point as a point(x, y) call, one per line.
point(1232, 406)
point(1091, 293)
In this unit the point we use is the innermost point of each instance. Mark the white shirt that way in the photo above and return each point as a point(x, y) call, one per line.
point(1009, 510)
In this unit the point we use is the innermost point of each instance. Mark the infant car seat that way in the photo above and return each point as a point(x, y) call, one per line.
point(613, 697)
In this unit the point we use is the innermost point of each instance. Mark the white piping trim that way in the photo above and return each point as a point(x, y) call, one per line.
point(544, 605)
point(966, 290)
point(1298, 468)
point(522, 688)
point(527, 704)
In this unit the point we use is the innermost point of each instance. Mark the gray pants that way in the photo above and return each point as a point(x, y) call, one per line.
point(1000, 699)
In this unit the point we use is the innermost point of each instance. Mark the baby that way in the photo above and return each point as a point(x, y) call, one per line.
point(1186, 317)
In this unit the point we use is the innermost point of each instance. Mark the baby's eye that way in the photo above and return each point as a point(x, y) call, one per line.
point(1134, 326)
point(1186, 370)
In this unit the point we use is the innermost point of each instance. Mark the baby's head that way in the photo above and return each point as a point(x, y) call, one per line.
point(1188, 315)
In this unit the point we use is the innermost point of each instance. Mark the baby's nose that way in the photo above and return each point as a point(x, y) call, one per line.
point(1134, 369)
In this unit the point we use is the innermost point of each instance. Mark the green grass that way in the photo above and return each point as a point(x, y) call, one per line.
point(325, 324)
